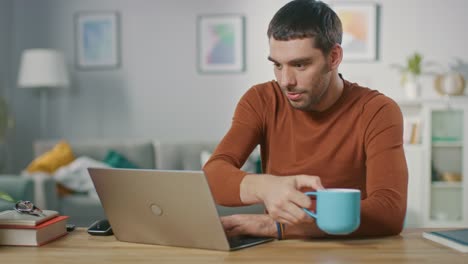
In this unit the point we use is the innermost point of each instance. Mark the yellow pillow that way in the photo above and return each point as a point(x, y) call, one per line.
point(50, 161)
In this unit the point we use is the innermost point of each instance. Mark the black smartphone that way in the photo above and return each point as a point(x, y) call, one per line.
point(70, 227)
point(100, 228)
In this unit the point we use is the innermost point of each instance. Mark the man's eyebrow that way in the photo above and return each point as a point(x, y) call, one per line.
point(271, 59)
point(300, 60)
point(294, 61)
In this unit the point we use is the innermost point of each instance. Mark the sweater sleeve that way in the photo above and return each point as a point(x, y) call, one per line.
point(383, 210)
point(223, 168)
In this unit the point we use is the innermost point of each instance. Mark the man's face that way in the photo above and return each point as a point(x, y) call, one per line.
point(302, 71)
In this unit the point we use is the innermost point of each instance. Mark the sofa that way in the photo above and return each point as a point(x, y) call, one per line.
point(145, 154)
point(19, 188)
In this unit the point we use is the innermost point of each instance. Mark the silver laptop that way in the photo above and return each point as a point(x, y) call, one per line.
point(172, 208)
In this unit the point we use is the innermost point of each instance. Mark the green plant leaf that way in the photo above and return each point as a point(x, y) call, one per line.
point(414, 64)
point(6, 197)
point(3, 118)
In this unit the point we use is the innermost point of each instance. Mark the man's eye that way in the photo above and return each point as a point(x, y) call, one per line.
point(277, 65)
point(299, 65)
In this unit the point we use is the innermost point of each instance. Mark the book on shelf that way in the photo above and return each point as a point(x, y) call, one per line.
point(455, 238)
point(21, 232)
point(12, 217)
point(412, 130)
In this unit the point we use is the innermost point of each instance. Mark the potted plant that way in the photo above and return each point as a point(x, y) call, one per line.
point(410, 74)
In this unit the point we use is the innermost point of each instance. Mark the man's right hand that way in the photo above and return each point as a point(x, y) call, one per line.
point(281, 195)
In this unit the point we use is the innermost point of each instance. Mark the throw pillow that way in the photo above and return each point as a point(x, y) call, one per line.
point(74, 177)
point(53, 159)
point(117, 160)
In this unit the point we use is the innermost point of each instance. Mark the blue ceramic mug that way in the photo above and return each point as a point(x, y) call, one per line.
point(338, 211)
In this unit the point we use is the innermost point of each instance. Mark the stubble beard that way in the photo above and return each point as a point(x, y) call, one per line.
point(310, 103)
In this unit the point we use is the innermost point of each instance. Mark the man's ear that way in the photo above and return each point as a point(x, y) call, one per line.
point(335, 56)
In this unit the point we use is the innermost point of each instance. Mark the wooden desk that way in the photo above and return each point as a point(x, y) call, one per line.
point(79, 247)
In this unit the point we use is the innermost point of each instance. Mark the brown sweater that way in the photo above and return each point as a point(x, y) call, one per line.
point(356, 143)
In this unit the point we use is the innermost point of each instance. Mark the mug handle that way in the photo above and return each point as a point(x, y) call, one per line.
point(311, 213)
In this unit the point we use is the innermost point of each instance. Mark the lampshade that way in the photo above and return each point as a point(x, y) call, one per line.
point(42, 68)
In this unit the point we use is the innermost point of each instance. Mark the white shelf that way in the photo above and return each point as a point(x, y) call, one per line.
point(447, 144)
point(413, 146)
point(404, 102)
point(443, 184)
point(445, 223)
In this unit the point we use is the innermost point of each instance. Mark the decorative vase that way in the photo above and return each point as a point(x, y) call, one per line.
point(451, 83)
point(412, 87)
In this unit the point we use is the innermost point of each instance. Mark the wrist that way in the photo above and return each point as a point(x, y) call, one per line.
point(280, 231)
point(251, 188)
point(271, 228)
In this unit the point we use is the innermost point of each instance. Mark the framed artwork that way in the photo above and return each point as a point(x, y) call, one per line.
point(359, 21)
point(221, 43)
point(97, 40)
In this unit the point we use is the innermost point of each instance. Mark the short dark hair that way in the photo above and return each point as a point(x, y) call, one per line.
point(307, 19)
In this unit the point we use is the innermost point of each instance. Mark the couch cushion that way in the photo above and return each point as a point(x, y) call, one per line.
point(117, 160)
point(181, 155)
point(19, 188)
point(191, 155)
point(5, 205)
point(61, 154)
point(139, 152)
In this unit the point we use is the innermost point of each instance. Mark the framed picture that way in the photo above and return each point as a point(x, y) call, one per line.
point(359, 21)
point(221, 43)
point(97, 40)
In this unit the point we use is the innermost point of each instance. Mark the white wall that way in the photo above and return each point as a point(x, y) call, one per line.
point(6, 27)
point(433, 28)
point(157, 93)
point(6, 7)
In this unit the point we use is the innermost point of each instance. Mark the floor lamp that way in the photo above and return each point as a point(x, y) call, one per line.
point(43, 69)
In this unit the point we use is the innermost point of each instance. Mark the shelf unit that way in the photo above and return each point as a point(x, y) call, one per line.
point(438, 165)
point(415, 161)
point(446, 187)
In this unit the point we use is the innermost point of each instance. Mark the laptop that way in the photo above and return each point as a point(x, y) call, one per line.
point(163, 207)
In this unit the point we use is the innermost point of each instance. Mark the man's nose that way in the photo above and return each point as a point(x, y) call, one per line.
point(287, 78)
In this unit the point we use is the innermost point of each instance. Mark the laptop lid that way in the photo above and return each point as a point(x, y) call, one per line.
point(173, 208)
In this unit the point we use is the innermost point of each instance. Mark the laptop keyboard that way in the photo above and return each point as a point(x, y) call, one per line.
point(241, 241)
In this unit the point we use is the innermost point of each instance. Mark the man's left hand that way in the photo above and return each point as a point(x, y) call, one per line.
point(249, 224)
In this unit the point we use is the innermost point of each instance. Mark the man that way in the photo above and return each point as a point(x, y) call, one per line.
point(315, 130)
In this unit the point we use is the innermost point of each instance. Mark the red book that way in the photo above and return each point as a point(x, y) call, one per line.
point(43, 233)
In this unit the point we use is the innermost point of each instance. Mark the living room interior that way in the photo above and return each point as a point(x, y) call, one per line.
point(158, 92)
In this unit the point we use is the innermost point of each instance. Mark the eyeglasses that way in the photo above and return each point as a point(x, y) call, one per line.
point(27, 207)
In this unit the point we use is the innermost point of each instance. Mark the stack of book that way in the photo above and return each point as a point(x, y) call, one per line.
point(19, 229)
point(412, 131)
point(456, 238)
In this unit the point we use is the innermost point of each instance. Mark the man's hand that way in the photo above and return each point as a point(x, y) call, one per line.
point(264, 226)
point(249, 224)
point(281, 195)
